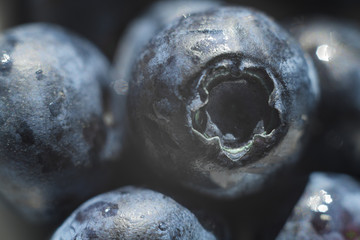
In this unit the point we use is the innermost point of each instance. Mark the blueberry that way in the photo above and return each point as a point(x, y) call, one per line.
point(140, 31)
point(334, 46)
point(132, 213)
point(221, 100)
point(58, 120)
point(328, 209)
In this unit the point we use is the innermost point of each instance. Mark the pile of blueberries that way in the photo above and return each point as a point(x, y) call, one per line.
point(212, 122)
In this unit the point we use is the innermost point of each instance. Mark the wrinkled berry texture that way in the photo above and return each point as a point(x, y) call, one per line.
point(221, 100)
point(57, 119)
point(132, 213)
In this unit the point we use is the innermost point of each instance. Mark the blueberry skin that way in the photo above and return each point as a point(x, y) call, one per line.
point(140, 32)
point(222, 100)
point(58, 120)
point(334, 46)
point(132, 213)
point(328, 209)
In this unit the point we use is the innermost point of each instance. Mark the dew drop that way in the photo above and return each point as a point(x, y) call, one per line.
point(162, 226)
point(39, 74)
point(110, 210)
point(56, 106)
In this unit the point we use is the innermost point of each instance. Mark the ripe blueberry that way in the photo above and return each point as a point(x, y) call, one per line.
point(139, 33)
point(328, 209)
point(57, 119)
point(132, 213)
point(333, 45)
point(221, 100)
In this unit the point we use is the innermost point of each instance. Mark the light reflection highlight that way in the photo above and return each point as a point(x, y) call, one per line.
point(322, 208)
point(325, 217)
point(5, 58)
point(319, 201)
point(325, 52)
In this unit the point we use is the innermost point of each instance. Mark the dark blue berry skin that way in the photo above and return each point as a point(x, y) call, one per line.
point(132, 213)
point(328, 209)
point(137, 35)
point(58, 120)
point(334, 46)
point(141, 30)
point(221, 100)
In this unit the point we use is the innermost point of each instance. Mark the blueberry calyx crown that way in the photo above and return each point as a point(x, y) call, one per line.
point(234, 106)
